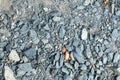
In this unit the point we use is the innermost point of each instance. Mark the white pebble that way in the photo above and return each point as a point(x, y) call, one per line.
point(56, 18)
point(13, 56)
point(8, 74)
point(84, 35)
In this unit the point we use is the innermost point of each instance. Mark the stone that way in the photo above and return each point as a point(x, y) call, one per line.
point(8, 73)
point(61, 32)
point(56, 18)
point(45, 41)
point(1, 55)
point(105, 59)
point(86, 2)
point(45, 9)
point(118, 13)
point(80, 7)
point(84, 67)
point(116, 57)
point(114, 34)
point(33, 33)
point(24, 29)
point(79, 58)
point(57, 65)
point(46, 27)
point(65, 70)
point(13, 56)
point(76, 65)
point(30, 53)
point(35, 40)
point(84, 34)
point(68, 65)
point(61, 60)
point(57, 56)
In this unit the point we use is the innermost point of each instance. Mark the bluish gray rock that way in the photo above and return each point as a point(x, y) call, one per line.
point(30, 53)
point(61, 32)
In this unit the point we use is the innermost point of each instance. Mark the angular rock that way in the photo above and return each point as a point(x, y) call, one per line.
point(79, 58)
point(13, 56)
point(105, 59)
point(84, 67)
point(84, 34)
point(30, 53)
point(33, 33)
point(35, 40)
point(116, 57)
point(8, 73)
point(61, 32)
point(114, 34)
point(68, 65)
point(56, 18)
point(65, 70)
point(87, 2)
point(24, 29)
point(61, 60)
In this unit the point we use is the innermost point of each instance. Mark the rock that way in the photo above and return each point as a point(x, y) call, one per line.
point(67, 78)
point(114, 34)
point(65, 70)
point(57, 65)
point(8, 73)
point(24, 68)
point(48, 46)
point(82, 77)
point(105, 59)
point(56, 18)
point(80, 7)
point(79, 58)
point(24, 29)
point(68, 65)
point(84, 67)
point(30, 53)
point(116, 57)
point(46, 27)
point(1, 55)
point(110, 55)
point(61, 60)
point(118, 77)
point(61, 32)
point(45, 41)
point(86, 2)
point(45, 9)
point(33, 34)
point(84, 35)
point(76, 43)
point(76, 65)
point(118, 13)
point(13, 56)
point(35, 40)
point(57, 56)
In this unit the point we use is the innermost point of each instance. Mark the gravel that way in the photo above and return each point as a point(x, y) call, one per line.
point(33, 33)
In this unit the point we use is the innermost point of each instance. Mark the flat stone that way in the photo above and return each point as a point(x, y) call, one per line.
point(35, 40)
point(24, 29)
point(33, 33)
point(30, 53)
point(84, 67)
point(105, 59)
point(8, 73)
point(45, 41)
point(68, 65)
point(46, 27)
point(116, 57)
point(13, 56)
point(56, 18)
point(61, 60)
point(86, 2)
point(61, 32)
point(65, 70)
point(84, 35)
point(114, 34)
point(79, 58)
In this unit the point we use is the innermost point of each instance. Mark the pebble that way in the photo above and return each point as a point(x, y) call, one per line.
point(61, 32)
point(116, 57)
point(68, 65)
point(115, 34)
point(48, 46)
point(65, 70)
point(24, 29)
point(84, 34)
point(105, 59)
point(45, 9)
point(118, 13)
point(8, 73)
point(79, 58)
point(35, 40)
point(86, 2)
point(45, 41)
point(57, 56)
point(61, 60)
point(76, 65)
point(30, 53)
point(84, 67)
point(13, 56)
point(67, 78)
point(46, 27)
point(80, 7)
point(33, 33)
point(56, 18)
point(76, 43)
point(1, 55)
point(57, 65)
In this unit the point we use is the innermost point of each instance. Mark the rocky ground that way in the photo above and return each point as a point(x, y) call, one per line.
point(59, 39)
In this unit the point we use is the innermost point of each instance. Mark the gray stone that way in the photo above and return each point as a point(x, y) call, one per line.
point(46, 27)
point(79, 58)
point(84, 34)
point(13, 56)
point(75, 43)
point(84, 67)
point(30, 53)
point(105, 59)
point(56, 18)
point(80, 7)
point(86, 2)
point(24, 29)
point(65, 70)
point(1, 54)
point(68, 65)
point(35, 40)
point(2, 44)
point(67, 78)
point(116, 57)
point(76, 65)
point(114, 34)
point(118, 13)
point(61, 60)
point(57, 56)
point(33, 33)
point(61, 32)
point(57, 65)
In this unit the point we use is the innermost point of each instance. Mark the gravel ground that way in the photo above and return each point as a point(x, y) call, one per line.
point(59, 39)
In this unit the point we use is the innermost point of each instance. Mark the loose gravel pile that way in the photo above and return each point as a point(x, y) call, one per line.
point(60, 40)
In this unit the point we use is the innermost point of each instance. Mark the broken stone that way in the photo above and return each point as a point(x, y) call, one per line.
point(13, 56)
point(30, 53)
point(8, 73)
point(84, 35)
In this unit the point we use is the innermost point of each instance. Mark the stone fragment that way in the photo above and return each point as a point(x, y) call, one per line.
point(30, 53)
point(61, 32)
point(84, 35)
point(56, 18)
point(13, 56)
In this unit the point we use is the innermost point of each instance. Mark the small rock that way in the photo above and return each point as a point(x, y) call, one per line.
point(84, 67)
point(45, 41)
point(46, 27)
point(84, 35)
point(68, 65)
point(56, 18)
point(76, 65)
point(13, 56)
point(35, 40)
point(115, 34)
point(1, 55)
point(65, 70)
point(80, 7)
point(57, 65)
point(61, 60)
point(79, 58)
point(48, 46)
point(57, 56)
point(76, 43)
point(118, 13)
point(45, 9)
point(61, 32)
point(24, 29)
point(30, 53)
point(87, 2)
point(8, 73)
point(104, 59)
point(116, 57)
point(33, 33)
point(67, 78)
